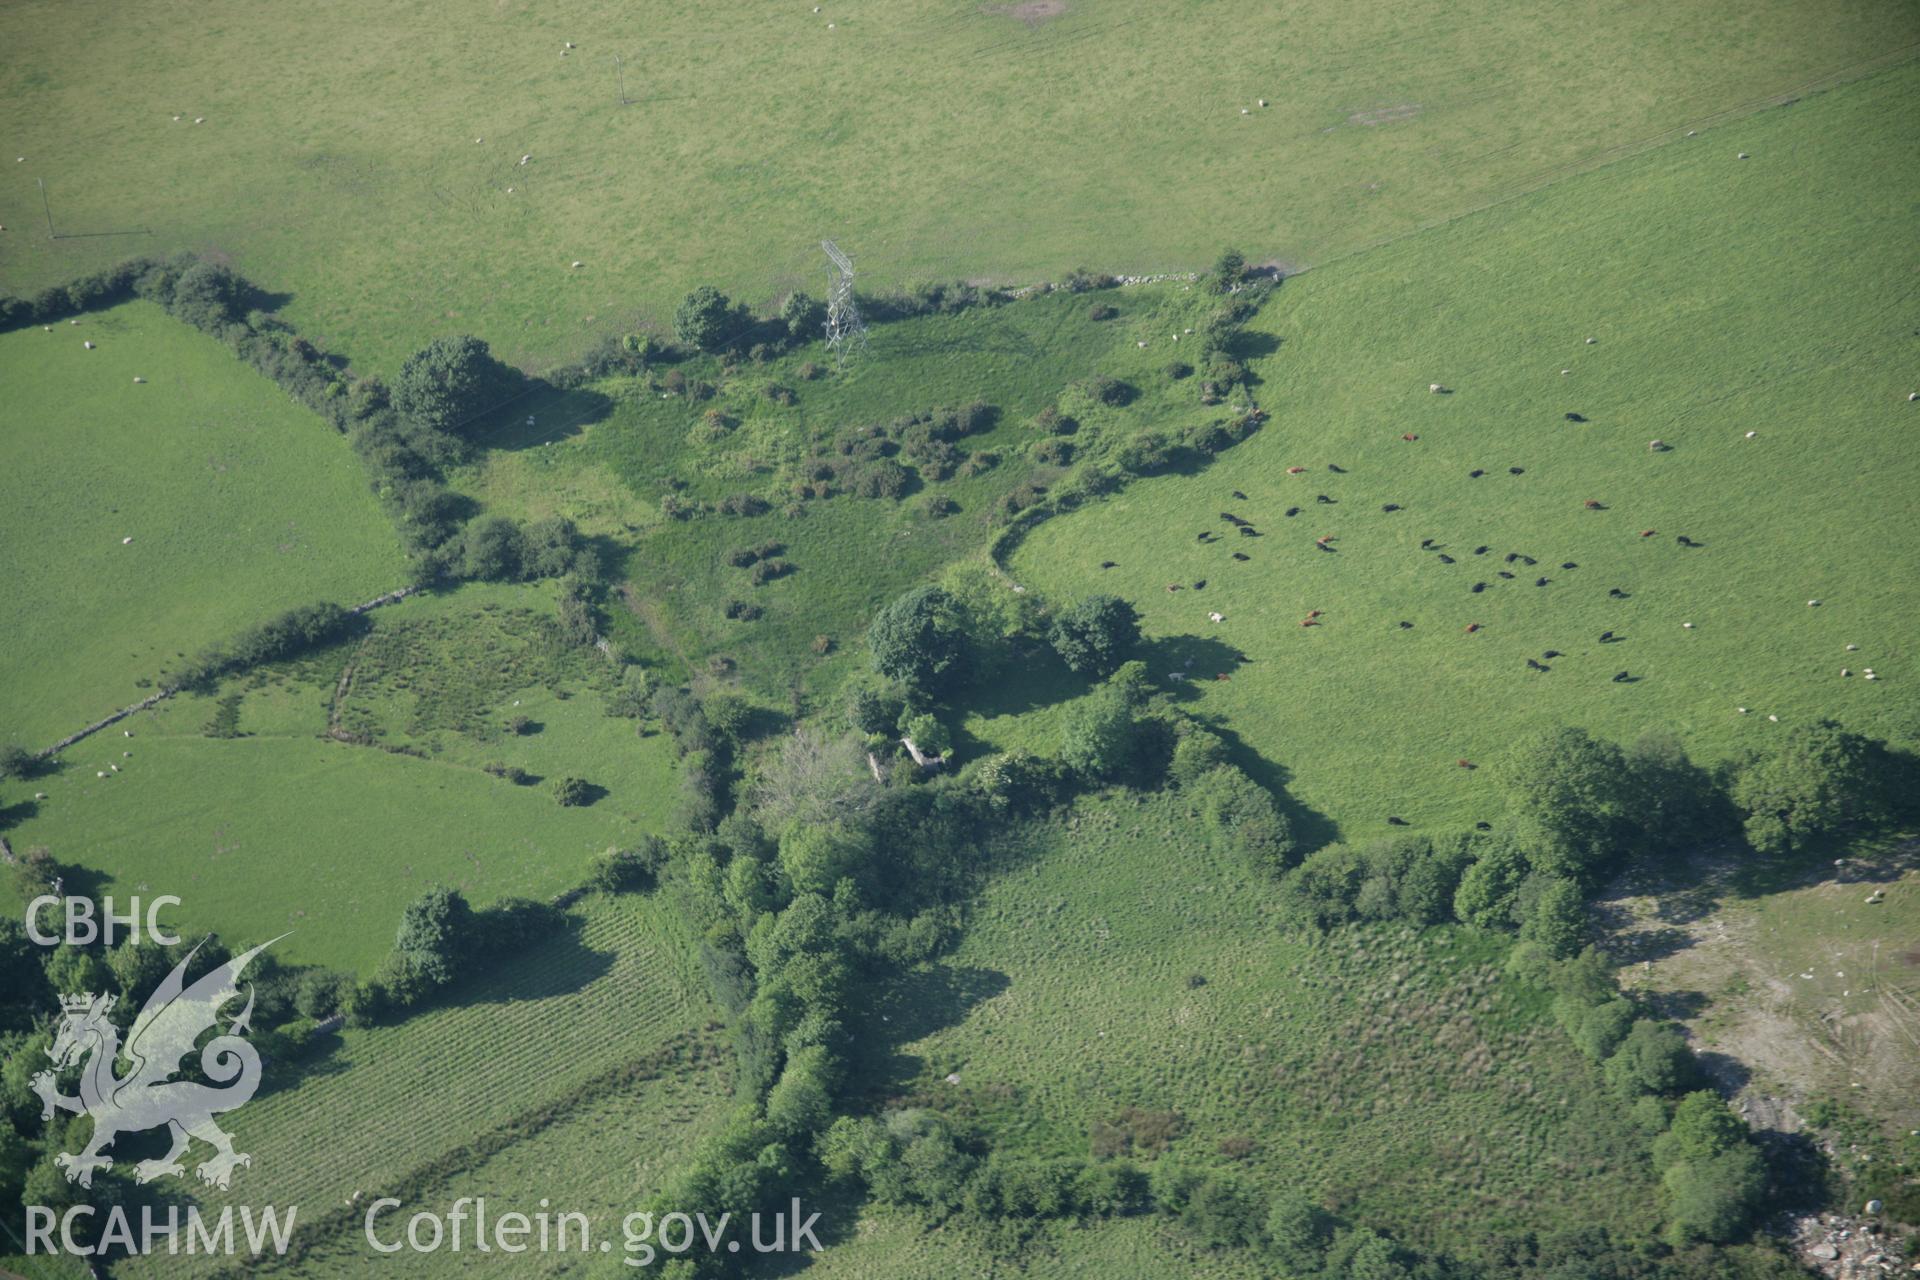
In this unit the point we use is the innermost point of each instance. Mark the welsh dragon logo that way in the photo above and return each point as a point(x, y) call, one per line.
point(162, 1035)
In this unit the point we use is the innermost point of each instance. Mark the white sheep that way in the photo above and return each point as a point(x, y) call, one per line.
point(126, 542)
point(1216, 617)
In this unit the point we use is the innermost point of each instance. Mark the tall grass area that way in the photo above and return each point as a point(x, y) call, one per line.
point(1725, 297)
point(1391, 1074)
point(239, 504)
point(378, 180)
point(237, 802)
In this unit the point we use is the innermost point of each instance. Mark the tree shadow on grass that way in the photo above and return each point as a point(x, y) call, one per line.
point(1034, 677)
point(1185, 661)
point(539, 415)
point(315, 1063)
point(907, 1008)
point(1311, 829)
point(12, 815)
point(559, 964)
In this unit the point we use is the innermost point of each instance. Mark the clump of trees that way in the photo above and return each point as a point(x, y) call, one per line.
point(1095, 635)
point(1821, 782)
point(450, 384)
point(921, 641)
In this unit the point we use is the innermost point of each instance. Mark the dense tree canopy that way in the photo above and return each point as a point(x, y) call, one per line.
point(920, 640)
point(705, 319)
point(1570, 797)
point(1094, 636)
point(433, 934)
point(1714, 1198)
point(1098, 735)
point(447, 383)
point(1819, 782)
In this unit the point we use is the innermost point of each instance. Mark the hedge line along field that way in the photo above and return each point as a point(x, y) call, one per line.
point(277, 828)
point(607, 1018)
point(1395, 1075)
point(238, 504)
point(1758, 320)
point(376, 179)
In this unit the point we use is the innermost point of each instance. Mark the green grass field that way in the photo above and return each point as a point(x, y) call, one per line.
point(887, 1244)
point(239, 503)
point(366, 159)
point(281, 829)
point(1727, 296)
point(1389, 1074)
point(534, 1030)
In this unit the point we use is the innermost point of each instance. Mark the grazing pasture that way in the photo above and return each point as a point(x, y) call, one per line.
point(1757, 319)
point(404, 174)
point(278, 828)
point(144, 519)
